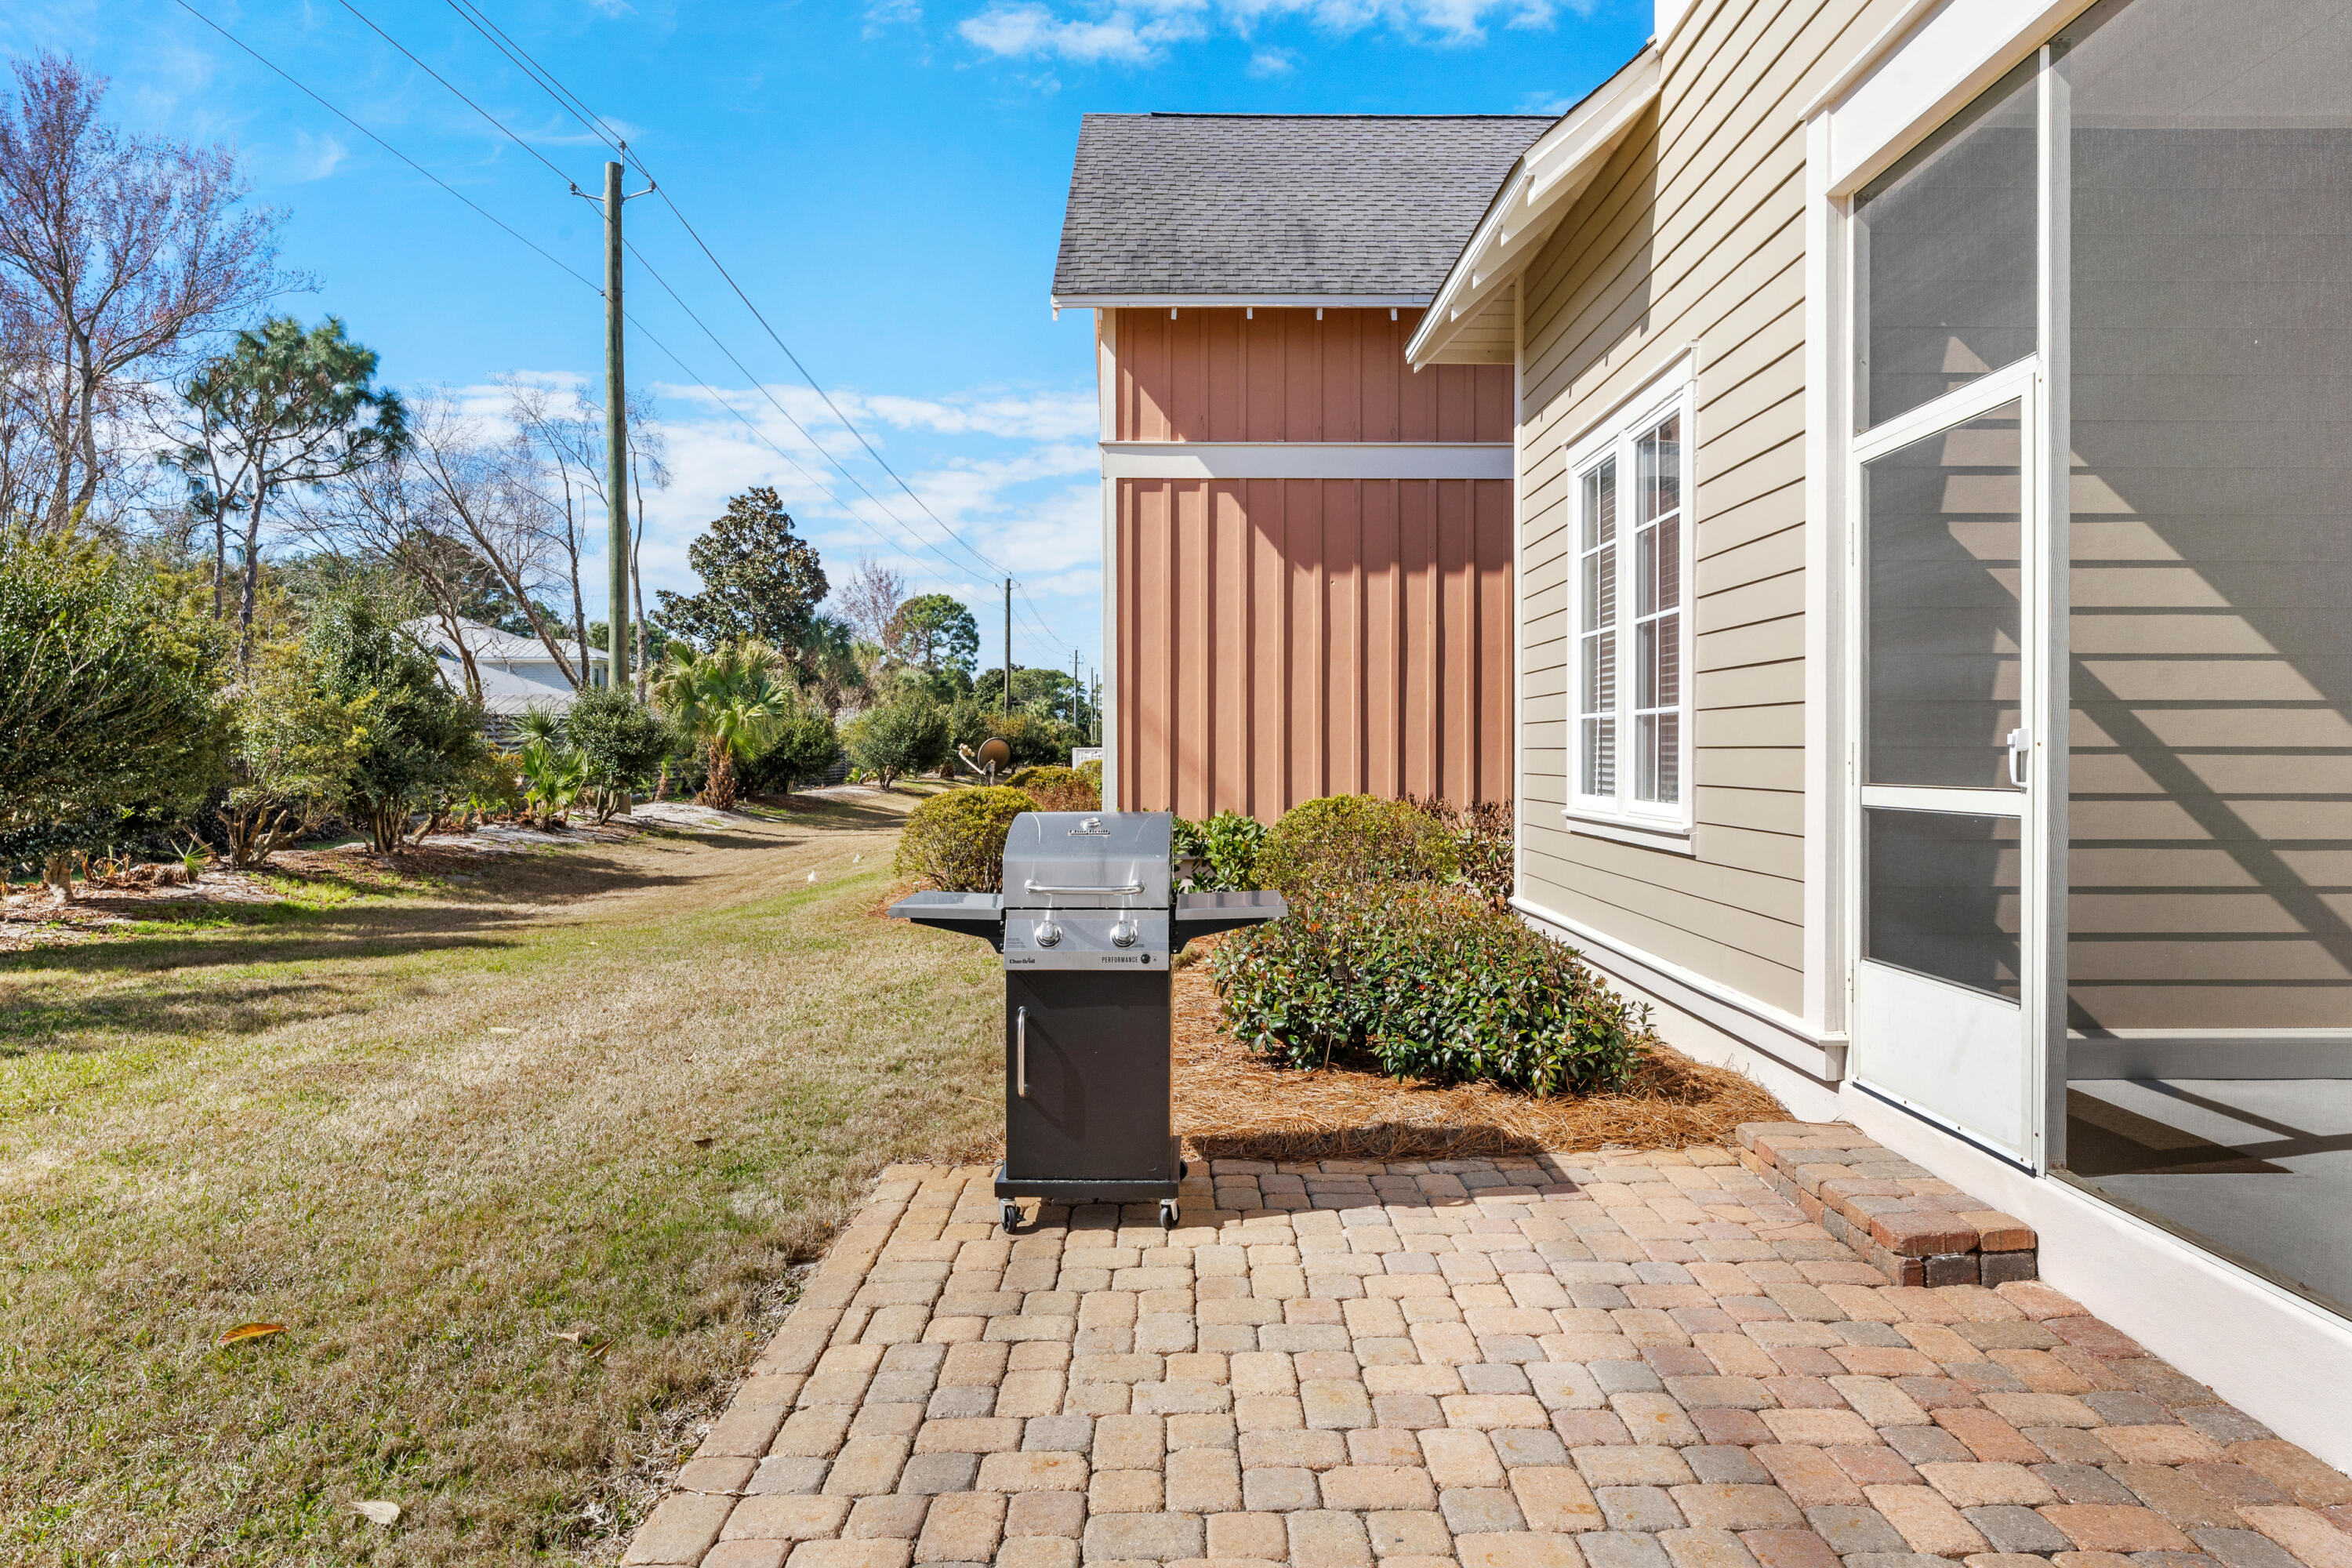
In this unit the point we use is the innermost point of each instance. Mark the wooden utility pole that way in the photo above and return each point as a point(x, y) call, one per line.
point(618, 622)
point(616, 447)
point(1008, 646)
point(1074, 689)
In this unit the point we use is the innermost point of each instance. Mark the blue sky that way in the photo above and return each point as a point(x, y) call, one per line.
point(884, 181)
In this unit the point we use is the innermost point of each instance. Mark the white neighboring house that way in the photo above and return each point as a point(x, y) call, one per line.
point(518, 675)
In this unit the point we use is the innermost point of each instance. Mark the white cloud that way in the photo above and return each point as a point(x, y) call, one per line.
point(317, 156)
point(1122, 33)
point(1134, 32)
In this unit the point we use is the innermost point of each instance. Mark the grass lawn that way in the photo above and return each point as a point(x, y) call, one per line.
point(607, 1093)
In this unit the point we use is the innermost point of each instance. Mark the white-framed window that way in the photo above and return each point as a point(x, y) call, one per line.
point(1630, 619)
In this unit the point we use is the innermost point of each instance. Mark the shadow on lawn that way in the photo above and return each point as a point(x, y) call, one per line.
point(223, 969)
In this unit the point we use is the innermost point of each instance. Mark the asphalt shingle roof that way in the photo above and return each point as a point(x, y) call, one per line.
point(1268, 205)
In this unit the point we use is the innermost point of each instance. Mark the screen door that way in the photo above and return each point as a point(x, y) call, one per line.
point(1947, 931)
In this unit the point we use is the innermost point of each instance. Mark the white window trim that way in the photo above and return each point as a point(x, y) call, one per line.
point(1621, 817)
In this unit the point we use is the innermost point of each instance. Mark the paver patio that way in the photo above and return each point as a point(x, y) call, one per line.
point(1616, 1361)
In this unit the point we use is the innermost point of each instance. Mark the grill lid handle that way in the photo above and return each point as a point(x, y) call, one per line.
point(1051, 888)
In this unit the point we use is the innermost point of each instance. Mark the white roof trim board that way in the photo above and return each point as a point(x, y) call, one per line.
point(1535, 197)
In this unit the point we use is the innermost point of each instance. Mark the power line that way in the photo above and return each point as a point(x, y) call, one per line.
point(387, 146)
point(596, 125)
point(461, 98)
point(762, 388)
point(578, 108)
point(675, 359)
point(569, 101)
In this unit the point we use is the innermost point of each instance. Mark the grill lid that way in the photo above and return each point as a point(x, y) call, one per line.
point(1090, 860)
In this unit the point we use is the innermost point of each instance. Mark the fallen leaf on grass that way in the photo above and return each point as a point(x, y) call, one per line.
point(378, 1510)
point(251, 1331)
point(597, 1352)
point(704, 1141)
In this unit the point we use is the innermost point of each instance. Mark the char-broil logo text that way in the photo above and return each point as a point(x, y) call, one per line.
point(1091, 827)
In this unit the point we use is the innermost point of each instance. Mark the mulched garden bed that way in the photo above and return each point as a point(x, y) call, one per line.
point(1232, 1104)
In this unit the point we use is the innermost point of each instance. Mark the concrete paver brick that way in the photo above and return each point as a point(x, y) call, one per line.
point(1469, 1510)
point(874, 1554)
point(1279, 1489)
point(2312, 1539)
point(1735, 1507)
point(1261, 1537)
point(1123, 1491)
point(1325, 1538)
point(1143, 1537)
point(1517, 1549)
point(1414, 1533)
point(1033, 1472)
point(1555, 1499)
point(896, 1518)
point(682, 1527)
point(2012, 1529)
point(928, 1475)
point(962, 1529)
point(1363, 1488)
point(2107, 1527)
point(1046, 1513)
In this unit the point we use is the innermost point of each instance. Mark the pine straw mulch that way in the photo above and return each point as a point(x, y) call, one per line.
point(1232, 1104)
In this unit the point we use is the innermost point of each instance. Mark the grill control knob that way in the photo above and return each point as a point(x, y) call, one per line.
point(1124, 934)
point(1047, 934)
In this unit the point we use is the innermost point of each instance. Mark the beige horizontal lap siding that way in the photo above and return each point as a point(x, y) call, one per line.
point(1692, 237)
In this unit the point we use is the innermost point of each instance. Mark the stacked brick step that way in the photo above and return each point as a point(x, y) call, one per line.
point(1911, 1226)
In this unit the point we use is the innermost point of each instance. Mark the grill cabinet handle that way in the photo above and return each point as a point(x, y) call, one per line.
point(1021, 1051)
point(1049, 888)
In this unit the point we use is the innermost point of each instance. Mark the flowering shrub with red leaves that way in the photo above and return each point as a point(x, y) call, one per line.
point(1430, 983)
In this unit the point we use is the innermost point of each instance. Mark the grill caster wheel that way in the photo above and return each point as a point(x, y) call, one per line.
point(1009, 1212)
point(1167, 1214)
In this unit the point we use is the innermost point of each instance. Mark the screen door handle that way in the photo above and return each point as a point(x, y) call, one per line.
point(2020, 741)
point(1021, 1051)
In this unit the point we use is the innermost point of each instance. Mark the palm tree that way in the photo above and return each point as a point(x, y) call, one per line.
point(729, 699)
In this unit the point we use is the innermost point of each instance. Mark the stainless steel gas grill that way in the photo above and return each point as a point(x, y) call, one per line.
point(1088, 923)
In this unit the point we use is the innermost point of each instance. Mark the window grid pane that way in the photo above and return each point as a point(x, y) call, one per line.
point(1596, 652)
point(1657, 627)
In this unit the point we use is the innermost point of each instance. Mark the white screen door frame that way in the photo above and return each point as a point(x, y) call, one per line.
point(1952, 1053)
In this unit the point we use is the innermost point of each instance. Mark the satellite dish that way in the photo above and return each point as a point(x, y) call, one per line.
point(994, 753)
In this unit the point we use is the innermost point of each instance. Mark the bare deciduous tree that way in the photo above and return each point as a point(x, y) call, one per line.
point(870, 600)
point(488, 489)
point(118, 256)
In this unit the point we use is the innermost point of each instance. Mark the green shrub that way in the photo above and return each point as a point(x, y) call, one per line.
point(801, 746)
point(954, 842)
point(1429, 984)
point(1059, 789)
point(1482, 833)
point(1349, 840)
point(904, 736)
point(1221, 855)
point(622, 743)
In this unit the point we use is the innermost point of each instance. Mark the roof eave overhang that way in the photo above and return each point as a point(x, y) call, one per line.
point(1535, 197)
point(1237, 301)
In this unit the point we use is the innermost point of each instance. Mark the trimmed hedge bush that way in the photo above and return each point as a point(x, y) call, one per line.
point(1060, 789)
point(1481, 844)
point(1433, 984)
point(1220, 856)
point(954, 842)
point(1349, 840)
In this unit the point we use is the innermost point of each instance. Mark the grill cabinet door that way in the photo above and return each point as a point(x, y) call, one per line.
point(1097, 1107)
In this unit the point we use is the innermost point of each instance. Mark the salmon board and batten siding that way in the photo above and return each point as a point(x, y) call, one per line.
point(1691, 237)
point(1281, 639)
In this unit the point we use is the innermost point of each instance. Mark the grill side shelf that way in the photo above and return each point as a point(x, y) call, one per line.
point(1204, 914)
point(968, 914)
